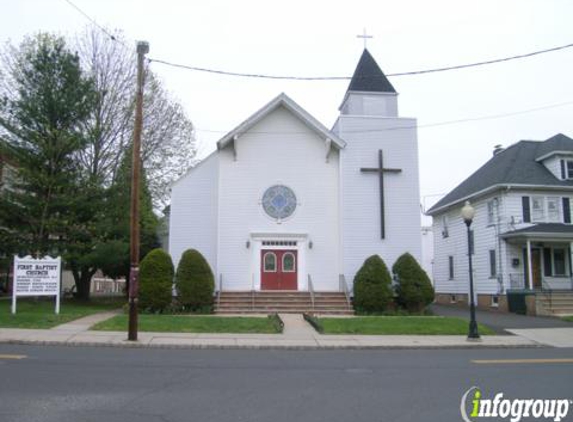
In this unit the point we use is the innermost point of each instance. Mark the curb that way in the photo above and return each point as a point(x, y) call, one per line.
point(136, 345)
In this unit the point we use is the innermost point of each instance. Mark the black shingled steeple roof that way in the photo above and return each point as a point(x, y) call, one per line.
point(369, 77)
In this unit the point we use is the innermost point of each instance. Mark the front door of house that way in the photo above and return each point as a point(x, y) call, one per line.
point(536, 267)
point(279, 269)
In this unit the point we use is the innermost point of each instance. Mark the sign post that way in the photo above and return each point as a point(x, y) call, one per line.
point(36, 277)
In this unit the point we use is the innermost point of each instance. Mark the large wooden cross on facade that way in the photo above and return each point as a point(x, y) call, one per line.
point(381, 170)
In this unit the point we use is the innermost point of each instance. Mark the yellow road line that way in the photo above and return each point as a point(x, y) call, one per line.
point(521, 361)
point(13, 356)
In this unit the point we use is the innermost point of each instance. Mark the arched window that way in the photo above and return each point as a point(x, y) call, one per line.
point(289, 262)
point(270, 262)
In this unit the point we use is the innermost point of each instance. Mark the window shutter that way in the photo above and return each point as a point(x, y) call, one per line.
point(526, 209)
point(563, 175)
point(547, 262)
point(566, 210)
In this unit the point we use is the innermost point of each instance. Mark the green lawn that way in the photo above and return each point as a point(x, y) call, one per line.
point(194, 324)
point(380, 325)
point(568, 318)
point(40, 314)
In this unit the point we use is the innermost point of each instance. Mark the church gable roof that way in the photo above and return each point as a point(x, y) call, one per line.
point(285, 101)
point(518, 165)
point(368, 77)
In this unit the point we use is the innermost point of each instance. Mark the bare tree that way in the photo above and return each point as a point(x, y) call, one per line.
point(168, 142)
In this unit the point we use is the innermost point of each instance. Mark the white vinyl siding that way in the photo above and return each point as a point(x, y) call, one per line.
point(360, 192)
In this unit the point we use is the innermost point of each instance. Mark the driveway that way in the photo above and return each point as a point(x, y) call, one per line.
point(501, 322)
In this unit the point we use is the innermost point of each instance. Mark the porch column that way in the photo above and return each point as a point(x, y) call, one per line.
point(571, 264)
point(529, 266)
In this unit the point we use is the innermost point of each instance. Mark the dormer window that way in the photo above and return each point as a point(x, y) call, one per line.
point(569, 165)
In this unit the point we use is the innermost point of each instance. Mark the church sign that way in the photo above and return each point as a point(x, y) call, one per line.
point(36, 277)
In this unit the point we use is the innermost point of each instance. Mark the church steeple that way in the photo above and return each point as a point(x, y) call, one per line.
point(368, 77)
point(370, 93)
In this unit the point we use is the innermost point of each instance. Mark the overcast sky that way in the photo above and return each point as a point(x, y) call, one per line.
point(318, 38)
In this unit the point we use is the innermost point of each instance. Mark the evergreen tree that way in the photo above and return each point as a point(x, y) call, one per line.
point(372, 286)
point(44, 207)
point(414, 289)
point(156, 281)
point(194, 281)
point(118, 218)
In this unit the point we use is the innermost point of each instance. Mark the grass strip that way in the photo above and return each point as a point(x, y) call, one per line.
point(398, 325)
point(31, 313)
point(194, 324)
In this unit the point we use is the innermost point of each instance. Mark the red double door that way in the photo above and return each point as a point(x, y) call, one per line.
point(279, 269)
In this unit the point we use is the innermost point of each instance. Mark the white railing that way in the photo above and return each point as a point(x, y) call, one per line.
point(343, 287)
point(311, 291)
point(108, 286)
point(517, 281)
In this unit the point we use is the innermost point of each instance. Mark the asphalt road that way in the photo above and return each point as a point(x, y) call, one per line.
point(61, 384)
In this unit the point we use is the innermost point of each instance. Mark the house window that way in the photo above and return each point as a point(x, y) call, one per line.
point(553, 210)
point(525, 204)
point(492, 264)
point(537, 208)
point(491, 212)
point(445, 232)
point(495, 301)
point(451, 267)
point(559, 262)
point(569, 169)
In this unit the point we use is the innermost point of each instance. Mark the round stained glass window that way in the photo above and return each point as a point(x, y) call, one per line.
point(279, 202)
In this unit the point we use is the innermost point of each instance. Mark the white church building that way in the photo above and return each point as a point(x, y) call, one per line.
point(284, 200)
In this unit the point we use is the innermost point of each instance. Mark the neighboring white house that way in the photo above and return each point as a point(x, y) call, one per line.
point(284, 198)
point(428, 251)
point(522, 231)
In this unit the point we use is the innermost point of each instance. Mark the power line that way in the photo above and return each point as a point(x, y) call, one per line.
point(88, 17)
point(427, 125)
point(324, 78)
point(337, 78)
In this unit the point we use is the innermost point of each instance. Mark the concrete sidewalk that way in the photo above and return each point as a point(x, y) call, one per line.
point(297, 335)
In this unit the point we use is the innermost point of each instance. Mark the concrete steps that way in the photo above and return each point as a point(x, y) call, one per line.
point(267, 302)
point(557, 303)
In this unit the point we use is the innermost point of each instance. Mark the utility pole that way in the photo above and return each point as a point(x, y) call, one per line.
point(142, 50)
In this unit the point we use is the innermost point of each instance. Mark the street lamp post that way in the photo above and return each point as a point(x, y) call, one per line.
point(468, 213)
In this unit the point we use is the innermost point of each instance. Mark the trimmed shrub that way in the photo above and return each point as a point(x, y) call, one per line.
point(194, 282)
point(414, 287)
point(372, 286)
point(155, 281)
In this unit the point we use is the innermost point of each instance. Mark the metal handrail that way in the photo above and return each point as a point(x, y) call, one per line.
point(311, 291)
point(252, 292)
point(220, 290)
point(547, 291)
point(343, 287)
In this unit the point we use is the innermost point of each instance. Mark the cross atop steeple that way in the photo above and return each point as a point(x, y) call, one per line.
point(365, 37)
